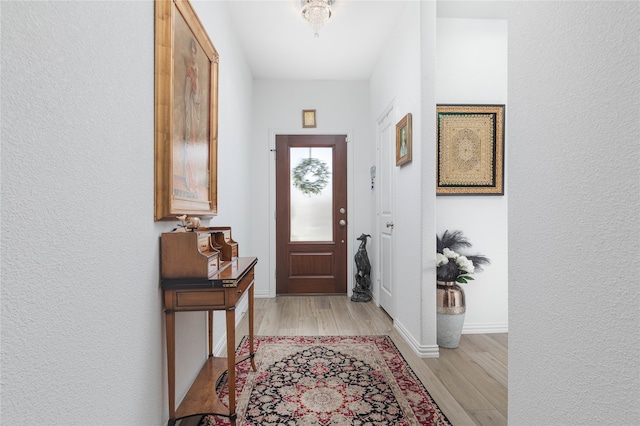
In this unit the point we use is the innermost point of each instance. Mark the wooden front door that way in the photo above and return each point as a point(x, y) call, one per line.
point(311, 214)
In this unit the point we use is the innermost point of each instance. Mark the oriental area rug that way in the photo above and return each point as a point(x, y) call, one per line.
point(337, 380)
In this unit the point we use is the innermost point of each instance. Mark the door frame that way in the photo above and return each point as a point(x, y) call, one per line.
point(272, 199)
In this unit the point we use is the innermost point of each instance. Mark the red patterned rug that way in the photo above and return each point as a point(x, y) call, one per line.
point(338, 380)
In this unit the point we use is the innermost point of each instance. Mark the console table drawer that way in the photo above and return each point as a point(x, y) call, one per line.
point(194, 299)
point(208, 299)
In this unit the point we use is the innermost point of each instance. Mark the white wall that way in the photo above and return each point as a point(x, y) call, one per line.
point(574, 198)
point(472, 69)
point(82, 319)
point(342, 107)
point(397, 80)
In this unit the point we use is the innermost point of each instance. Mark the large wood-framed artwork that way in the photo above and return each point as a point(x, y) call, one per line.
point(186, 114)
point(470, 157)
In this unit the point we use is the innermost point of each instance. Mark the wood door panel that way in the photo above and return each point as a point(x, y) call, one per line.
point(310, 264)
point(312, 286)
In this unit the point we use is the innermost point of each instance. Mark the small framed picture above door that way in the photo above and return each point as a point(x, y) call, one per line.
point(308, 118)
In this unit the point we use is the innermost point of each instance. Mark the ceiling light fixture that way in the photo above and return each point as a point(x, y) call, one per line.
point(316, 12)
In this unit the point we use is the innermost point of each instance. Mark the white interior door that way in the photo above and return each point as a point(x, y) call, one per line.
point(386, 205)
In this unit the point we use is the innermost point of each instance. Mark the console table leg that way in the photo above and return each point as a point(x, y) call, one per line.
point(210, 315)
point(171, 363)
point(231, 362)
point(251, 346)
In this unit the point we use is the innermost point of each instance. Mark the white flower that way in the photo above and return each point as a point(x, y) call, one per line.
point(465, 264)
point(450, 253)
point(441, 259)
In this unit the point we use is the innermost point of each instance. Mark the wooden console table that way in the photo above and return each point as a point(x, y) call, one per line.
point(220, 292)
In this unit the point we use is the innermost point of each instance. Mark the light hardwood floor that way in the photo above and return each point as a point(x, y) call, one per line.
point(468, 383)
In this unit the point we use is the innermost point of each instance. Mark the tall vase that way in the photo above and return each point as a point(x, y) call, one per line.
point(450, 313)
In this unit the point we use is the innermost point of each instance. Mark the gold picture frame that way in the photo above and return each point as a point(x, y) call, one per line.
point(308, 118)
point(403, 140)
point(470, 149)
point(186, 114)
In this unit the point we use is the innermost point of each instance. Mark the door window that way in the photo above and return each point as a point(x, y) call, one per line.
point(311, 189)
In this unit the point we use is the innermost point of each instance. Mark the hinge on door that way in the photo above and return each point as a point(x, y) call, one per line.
point(346, 139)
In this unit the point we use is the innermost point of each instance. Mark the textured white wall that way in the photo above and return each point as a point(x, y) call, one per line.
point(574, 240)
point(81, 309)
point(472, 69)
point(82, 320)
point(341, 106)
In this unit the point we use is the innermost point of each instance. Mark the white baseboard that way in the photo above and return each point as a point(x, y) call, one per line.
point(423, 351)
point(487, 328)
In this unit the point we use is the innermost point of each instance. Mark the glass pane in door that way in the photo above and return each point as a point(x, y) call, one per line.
point(311, 194)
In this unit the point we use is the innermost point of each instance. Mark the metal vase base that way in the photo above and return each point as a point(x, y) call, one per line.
point(449, 329)
point(450, 313)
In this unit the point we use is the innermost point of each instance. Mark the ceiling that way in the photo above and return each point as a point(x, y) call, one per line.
point(279, 44)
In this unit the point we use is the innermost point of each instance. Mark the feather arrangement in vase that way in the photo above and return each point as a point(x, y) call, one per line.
point(451, 264)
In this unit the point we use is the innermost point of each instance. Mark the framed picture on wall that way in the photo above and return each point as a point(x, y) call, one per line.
point(308, 118)
point(186, 114)
point(403, 140)
point(470, 149)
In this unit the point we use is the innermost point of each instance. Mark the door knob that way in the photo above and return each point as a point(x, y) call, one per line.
point(342, 222)
point(390, 225)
